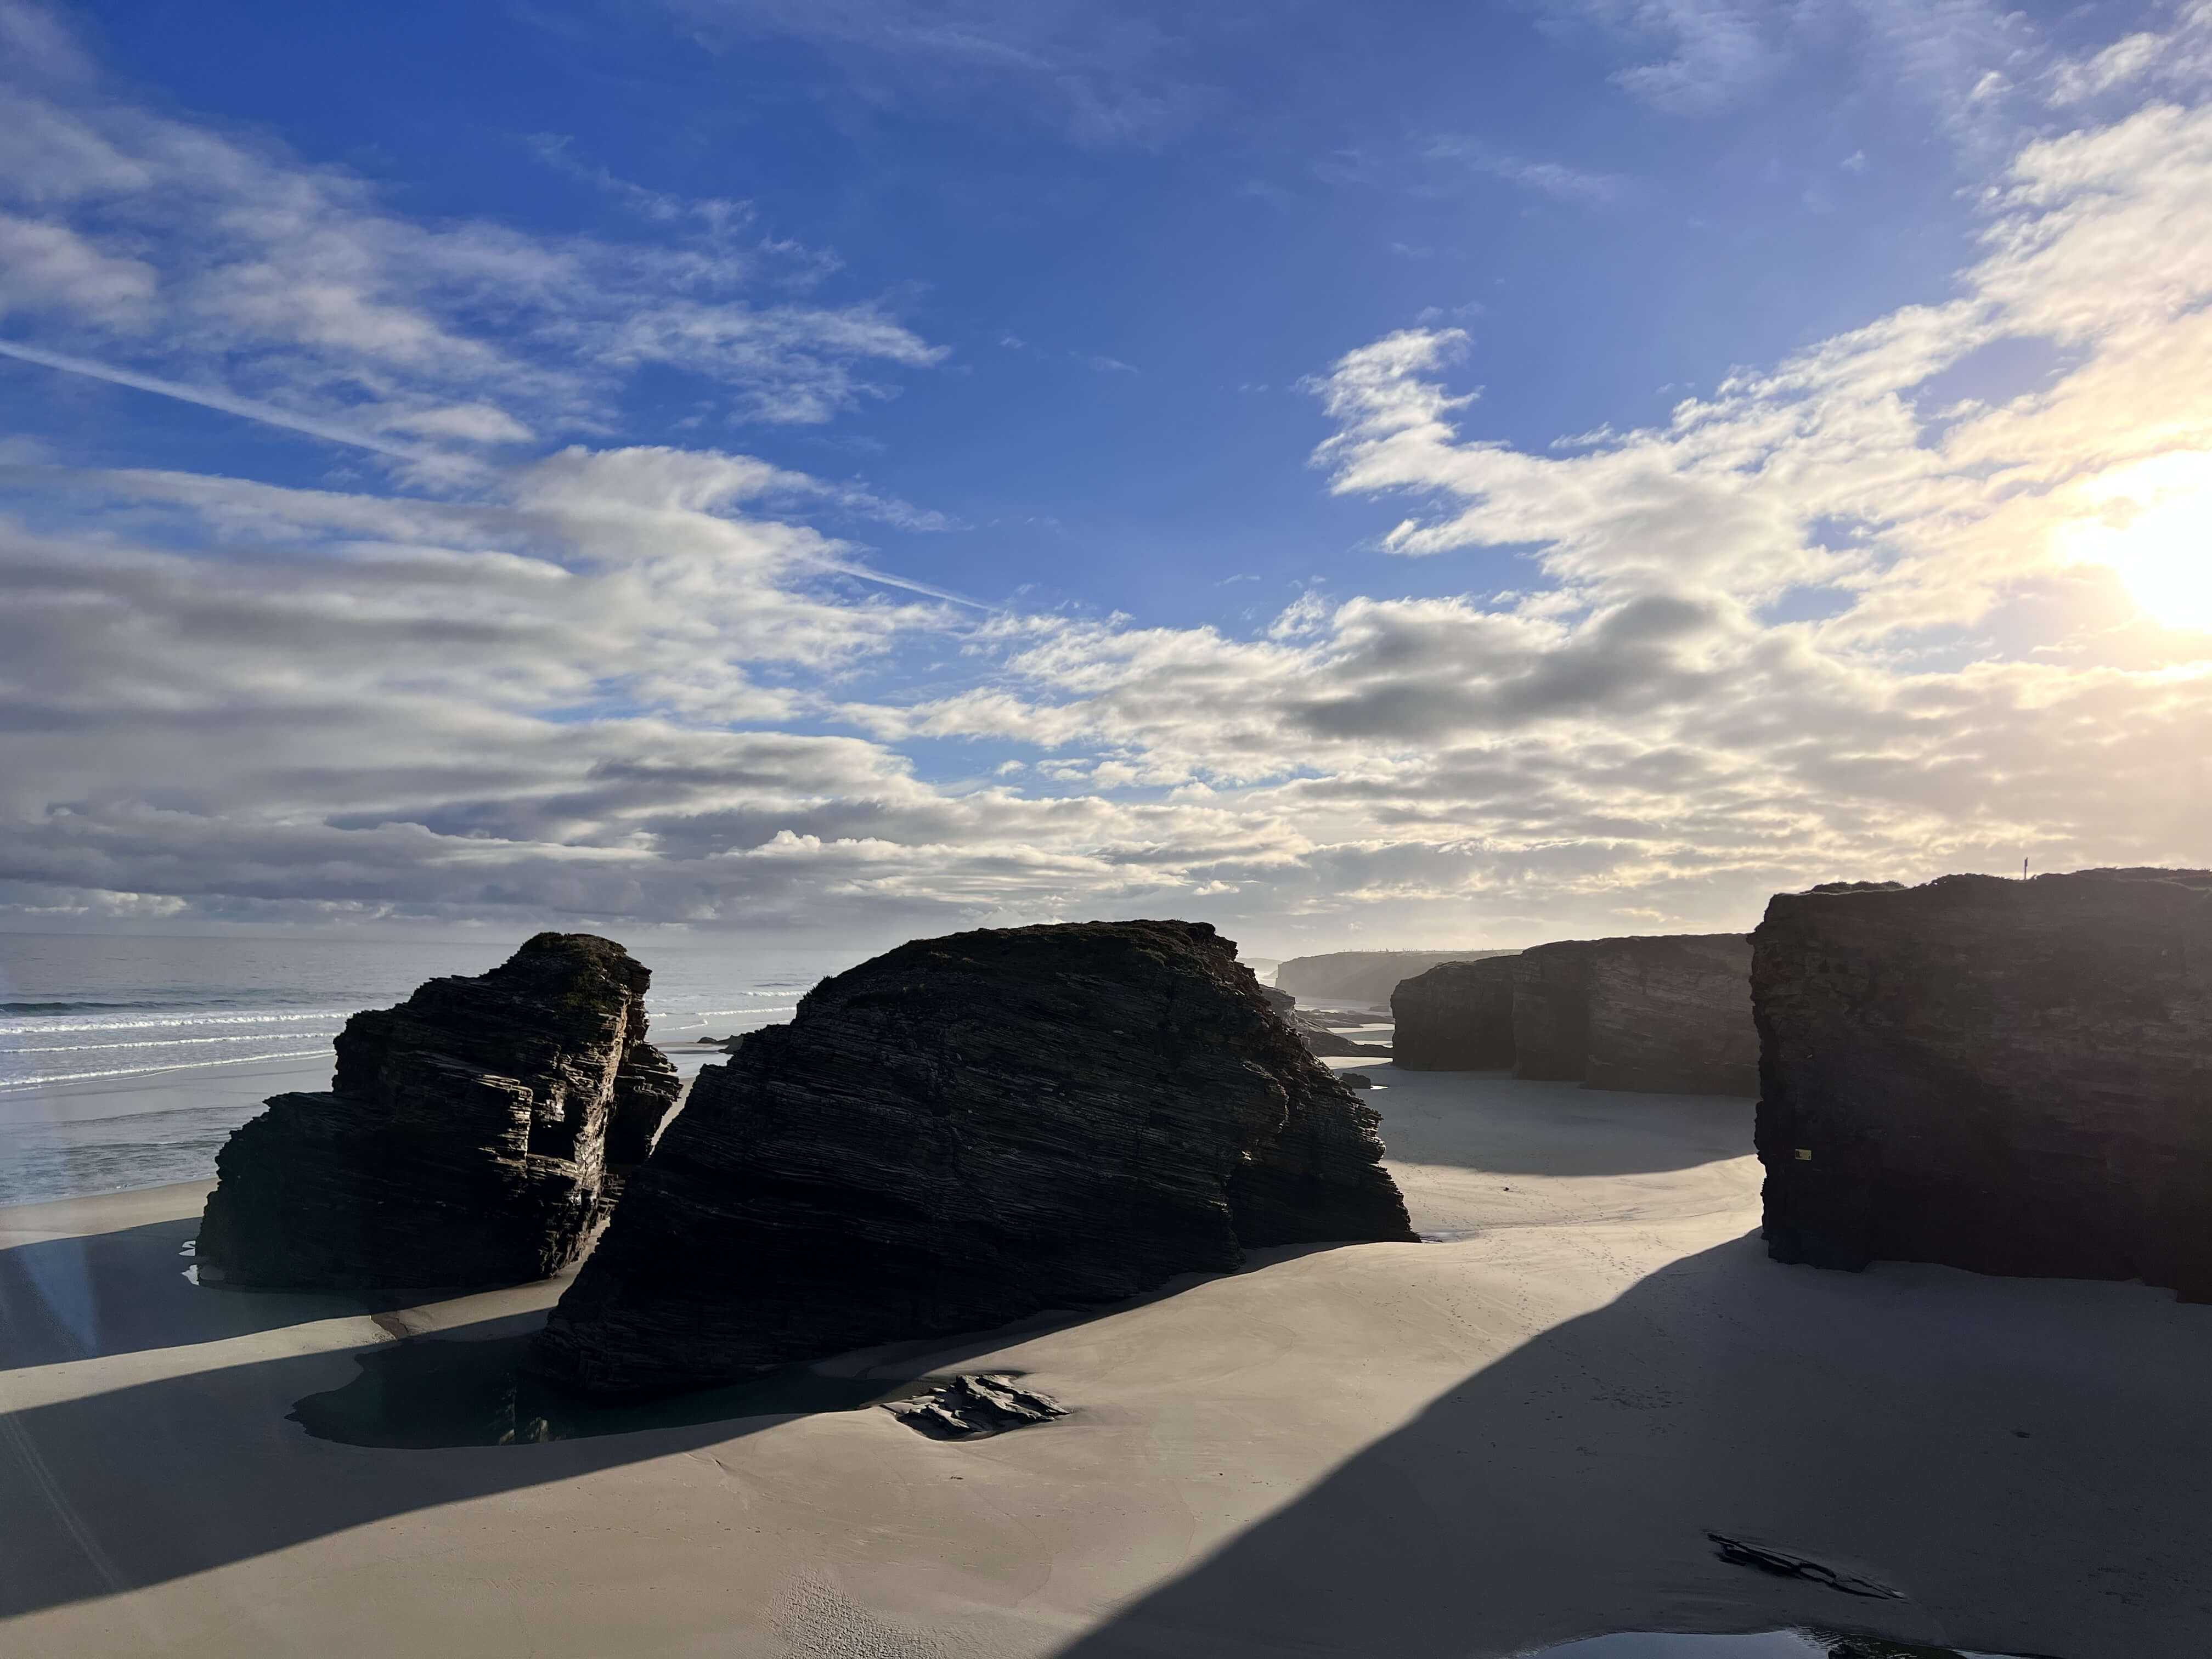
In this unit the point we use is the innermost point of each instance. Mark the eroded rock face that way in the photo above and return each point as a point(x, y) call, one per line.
point(2006, 1076)
point(1457, 1017)
point(473, 1135)
point(963, 1131)
point(1671, 1014)
point(1550, 1011)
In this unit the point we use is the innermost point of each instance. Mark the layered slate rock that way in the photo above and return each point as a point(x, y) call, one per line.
point(1671, 1014)
point(473, 1135)
point(1550, 1011)
point(1457, 1017)
point(2013, 1077)
point(963, 1131)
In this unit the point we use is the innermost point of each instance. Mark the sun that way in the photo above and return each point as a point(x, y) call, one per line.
point(2151, 523)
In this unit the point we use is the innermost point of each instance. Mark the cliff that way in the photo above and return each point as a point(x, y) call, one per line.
point(2006, 1076)
point(1671, 1014)
point(963, 1131)
point(473, 1135)
point(1457, 1017)
point(1550, 1011)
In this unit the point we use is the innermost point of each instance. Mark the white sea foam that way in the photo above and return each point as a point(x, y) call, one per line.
point(150, 1071)
point(33, 1028)
point(143, 1043)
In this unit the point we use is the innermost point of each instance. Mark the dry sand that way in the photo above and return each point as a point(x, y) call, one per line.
point(1520, 1434)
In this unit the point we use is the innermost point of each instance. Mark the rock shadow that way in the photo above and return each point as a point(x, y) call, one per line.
point(1494, 1121)
point(139, 1485)
point(128, 1291)
point(2022, 1461)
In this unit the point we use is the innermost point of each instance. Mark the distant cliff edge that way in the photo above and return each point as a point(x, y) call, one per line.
point(1364, 975)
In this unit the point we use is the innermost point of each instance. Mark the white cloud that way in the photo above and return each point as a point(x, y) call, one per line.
point(1856, 613)
point(188, 255)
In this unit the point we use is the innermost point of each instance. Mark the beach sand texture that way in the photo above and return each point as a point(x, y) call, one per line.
point(1520, 1434)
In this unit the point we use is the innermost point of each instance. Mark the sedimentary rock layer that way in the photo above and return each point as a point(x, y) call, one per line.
point(960, 1132)
point(1457, 1017)
point(1671, 1013)
point(2006, 1076)
point(473, 1135)
point(1550, 1011)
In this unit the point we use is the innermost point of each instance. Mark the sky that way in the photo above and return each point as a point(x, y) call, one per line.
point(824, 471)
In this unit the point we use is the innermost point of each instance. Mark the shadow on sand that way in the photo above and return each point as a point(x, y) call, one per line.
point(2022, 1462)
point(125, 1293)
point(1494, 1121)
point(142, 1483)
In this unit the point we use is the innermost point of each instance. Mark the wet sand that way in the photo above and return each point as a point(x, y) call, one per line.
point(1521, 1434)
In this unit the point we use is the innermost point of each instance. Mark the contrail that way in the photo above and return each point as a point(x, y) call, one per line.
point(244, 408)
point(247, 408)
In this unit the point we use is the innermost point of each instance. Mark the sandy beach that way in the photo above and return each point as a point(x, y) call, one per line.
point(1520, 1432)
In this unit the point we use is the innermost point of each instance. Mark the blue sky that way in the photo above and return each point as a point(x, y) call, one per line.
point(859, 466)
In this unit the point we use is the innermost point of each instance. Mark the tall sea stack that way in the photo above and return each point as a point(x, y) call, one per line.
point(473, 1135)
point(963, 1131)
point(2013, 1077)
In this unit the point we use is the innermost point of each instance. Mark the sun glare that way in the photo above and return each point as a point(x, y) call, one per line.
point(2152, 523)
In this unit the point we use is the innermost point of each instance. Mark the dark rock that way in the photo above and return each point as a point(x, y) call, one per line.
point(2000, 1075)
point(1366, 976)
point(974, 1407)
point(1457, 1017)
point(1318, 1032)
point(1550, 1011)
point(473, 1135)
point(1671, 1014)
point(1323, 1042)
point(1781, 1564)
point(1355, 1079)
point(964, 1132)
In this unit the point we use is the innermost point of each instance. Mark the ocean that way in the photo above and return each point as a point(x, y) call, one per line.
point(127, 1062)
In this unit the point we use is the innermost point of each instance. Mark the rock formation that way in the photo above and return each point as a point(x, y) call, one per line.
point(963, 1131)
point(1551, 1012)
point(1316, 1033)
point(1671, 1014)
point(2006, 1076)
point(1367, 976)
point(1665, 1012)
point(473, 1135)
point(976, 1407)
point(1457, 1017)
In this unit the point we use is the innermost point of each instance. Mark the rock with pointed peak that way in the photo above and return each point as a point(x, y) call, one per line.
point(473, 1135)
